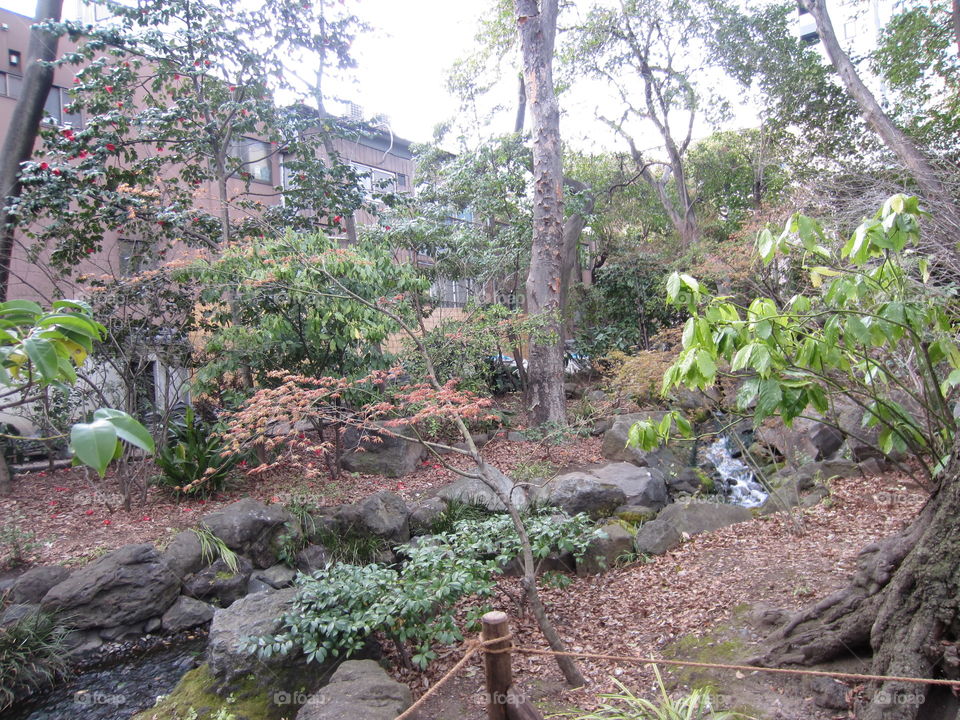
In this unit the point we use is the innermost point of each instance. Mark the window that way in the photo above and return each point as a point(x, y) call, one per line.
point(401, 180)
point(56, 108)
point(10, 85)
point(375, 181)
point(135, 256)
point(255, 158)
point(451, 293)
point(850, 29)
point(810, 38)
point(13, 57)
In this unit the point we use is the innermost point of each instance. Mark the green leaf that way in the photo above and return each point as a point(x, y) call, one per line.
point(94, 444)
point(673, 287)
point(128, 428)
point(43, 355)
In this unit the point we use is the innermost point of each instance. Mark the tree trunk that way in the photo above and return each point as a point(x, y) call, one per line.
point(545, 400)
point(956, 23)
point(902, 604)
point(572, 230)
point(897, 142)
point(24, 127)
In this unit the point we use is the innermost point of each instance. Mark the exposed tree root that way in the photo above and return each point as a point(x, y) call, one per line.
point(901, 605)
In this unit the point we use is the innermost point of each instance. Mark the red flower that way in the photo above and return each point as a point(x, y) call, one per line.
point(109, 89)
point(176, 77)
point(89, 512)
point(111, 147)
point(82, 154)
point(337, 218)
point(61, 489)
point(145, 518)
point(89, 251)
point(119, 104)
point(196, 63)
point(233, 88)
point(52, 502)
point(106, 522)
point(159, 148)
point(67, 133)
point(43, 166)
point(386, 227)
point(56, 171)
point(76, 81)
point(207, 63)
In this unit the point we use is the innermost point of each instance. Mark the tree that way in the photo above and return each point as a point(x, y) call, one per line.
point(25, 124)
point(537, 23)
point(643, 51)
point(874, 332)
point(182, 129)
point(41, 349)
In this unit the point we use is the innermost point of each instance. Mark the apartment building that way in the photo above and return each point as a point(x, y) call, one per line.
point(383, 160)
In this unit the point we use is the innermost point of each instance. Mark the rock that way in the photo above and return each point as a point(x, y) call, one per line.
point(36, 582)
point(554, 562)
point(16, 612)
point(152, 625)
point(358, 689)
point(383, 514)
point(121, 632)
point(252, 616)
point(128, 585)
point(572, 391)
point(424, 514)
point(695, 517)
point(596, 396)
point(642, 486)
point(635, 514)
point(277, 576)
point(578, 492)
point(656, 538)
point(184, 554)
point(514, 436)
point(803, 487)
point(688, 481)
point(827, 693)
point(312, 558)
point(470, 491)
point(668, 460)
point(219, 583)
point(81, 644)
point(251, 528)
point(385, 455)
point(603, 552)
point(764, 616)
point(187, 612)
point(255, 585)
point(601, 426)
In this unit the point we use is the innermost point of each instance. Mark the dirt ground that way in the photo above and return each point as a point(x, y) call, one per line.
point(784, 561)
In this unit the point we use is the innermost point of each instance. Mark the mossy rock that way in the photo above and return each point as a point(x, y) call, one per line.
point(195, 693)
point(708, 486)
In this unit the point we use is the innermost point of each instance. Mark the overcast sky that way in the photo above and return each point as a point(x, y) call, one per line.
point(403, 64)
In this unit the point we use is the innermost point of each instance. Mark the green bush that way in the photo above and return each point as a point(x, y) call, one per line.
point(192, 462)
point(336, 609)
point(31, 656)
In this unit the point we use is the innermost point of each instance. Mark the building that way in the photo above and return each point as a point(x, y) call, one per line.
point(383, 160)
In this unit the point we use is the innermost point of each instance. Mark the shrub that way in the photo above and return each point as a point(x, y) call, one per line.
point(16, 543)
point(639, 377)
point(193, 461)
point(337, 608)
point(31, 656)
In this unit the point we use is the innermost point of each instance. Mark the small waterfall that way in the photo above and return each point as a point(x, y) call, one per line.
point(736, 481)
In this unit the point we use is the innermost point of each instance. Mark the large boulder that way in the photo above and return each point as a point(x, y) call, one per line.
point(603, 552)
point(260, 614)
point(36, 582)
point(184, 554)
point(578, 492)
point(380, 453)
point(694, 517)
point(219, 583)
point(615, 439)
point(358, 689)
point(656, 538)
point(251, 528)
point(641, 485)
point(126, 586)
point(424, 514)
point(383, 514)
point(471, 491)
point(186, 612)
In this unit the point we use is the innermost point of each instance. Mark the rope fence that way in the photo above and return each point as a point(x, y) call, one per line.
point(505, 703)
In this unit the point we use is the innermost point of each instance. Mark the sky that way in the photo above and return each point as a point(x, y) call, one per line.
point(403, 64)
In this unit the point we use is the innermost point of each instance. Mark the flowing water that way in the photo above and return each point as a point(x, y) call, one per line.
point(735, 479)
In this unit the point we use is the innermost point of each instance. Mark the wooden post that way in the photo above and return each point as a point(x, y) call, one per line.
point(496, 624)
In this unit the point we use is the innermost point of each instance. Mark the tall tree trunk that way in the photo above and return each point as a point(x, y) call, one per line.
point(25, 126)
point(538, 27)
point(902, 603)
point(570, 267)
point(931, 187)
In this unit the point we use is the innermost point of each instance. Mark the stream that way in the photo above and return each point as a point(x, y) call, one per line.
point(735, 479)
point(116, 692)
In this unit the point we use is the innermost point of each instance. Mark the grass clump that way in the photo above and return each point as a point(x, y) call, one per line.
point(32, 652)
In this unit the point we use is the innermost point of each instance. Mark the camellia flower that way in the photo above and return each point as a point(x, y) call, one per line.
point(111, 147)
point(44, 166)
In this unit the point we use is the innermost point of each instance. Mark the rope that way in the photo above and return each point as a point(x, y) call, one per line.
point(473, 647)
point(742, 668)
